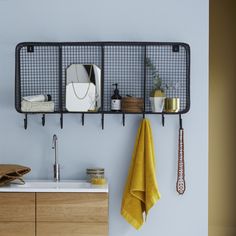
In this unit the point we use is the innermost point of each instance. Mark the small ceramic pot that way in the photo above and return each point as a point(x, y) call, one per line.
point(157, 103)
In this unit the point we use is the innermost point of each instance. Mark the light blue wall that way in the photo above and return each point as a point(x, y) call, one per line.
point(81, 147)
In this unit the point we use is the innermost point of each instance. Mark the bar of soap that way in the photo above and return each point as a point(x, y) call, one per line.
point(98, 181)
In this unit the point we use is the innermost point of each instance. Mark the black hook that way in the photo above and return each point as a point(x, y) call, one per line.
point(25, 121)
point(61, 121)
point(163, 120)
point(144, 115)
point(43, 120)
point(180, 122)
point(82, 118)
point(102, 120)
point(123, 119)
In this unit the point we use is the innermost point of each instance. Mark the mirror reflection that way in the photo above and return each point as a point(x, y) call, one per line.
point(83, 88)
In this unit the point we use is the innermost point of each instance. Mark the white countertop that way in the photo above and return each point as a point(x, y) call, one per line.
point(51, 186)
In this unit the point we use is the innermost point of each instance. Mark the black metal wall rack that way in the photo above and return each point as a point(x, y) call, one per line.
point(40, 69)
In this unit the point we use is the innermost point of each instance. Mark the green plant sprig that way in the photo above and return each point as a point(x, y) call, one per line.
point(157, 81)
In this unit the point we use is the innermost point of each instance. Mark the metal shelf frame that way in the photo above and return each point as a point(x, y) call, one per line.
point(40, 68)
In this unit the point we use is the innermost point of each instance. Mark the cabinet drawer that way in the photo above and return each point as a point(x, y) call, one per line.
point(17, 207)
point(17, 229)
point(71, 229)
point(72, 207)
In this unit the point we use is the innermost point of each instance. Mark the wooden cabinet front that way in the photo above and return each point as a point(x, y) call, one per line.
point(53, 214)
point(80, 214)
point(71, 229)
point(17, 214)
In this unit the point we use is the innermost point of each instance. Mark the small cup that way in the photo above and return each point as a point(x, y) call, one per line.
point(172, 104)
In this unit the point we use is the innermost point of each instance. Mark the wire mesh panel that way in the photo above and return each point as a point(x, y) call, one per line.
point(123, 64)
point(171, 64)
point(78, 54)
point(39, 73)
point(41, 69)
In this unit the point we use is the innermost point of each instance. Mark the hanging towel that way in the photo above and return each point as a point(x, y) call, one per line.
point(141, 190)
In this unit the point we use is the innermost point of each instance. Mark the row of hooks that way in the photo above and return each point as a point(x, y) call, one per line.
point(102, 120)
point(61, 120)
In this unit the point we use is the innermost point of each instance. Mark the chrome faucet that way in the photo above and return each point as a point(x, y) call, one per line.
point(56, 166)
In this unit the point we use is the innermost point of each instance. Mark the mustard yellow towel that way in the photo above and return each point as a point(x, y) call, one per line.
point(141, 190)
